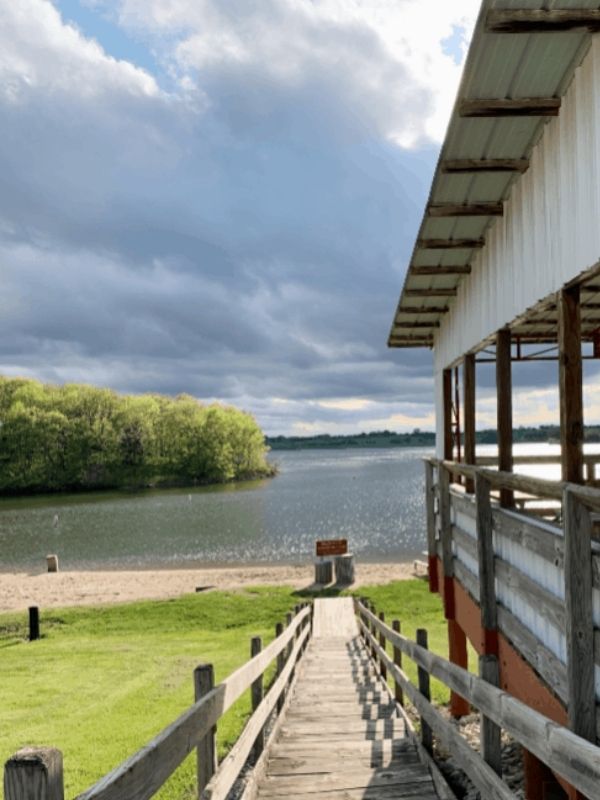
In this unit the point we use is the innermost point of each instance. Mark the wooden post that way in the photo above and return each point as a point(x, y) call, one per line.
point(489, 668)
point(373, 630)
point(34, 623)
point(446, 534)
point(256, 692)
point(457, 652)
point(504, 409)
point(570, 384)
point(382, 644)
point(280, 666)
point(324, 572)
point(34, 773)
point(447, 390)
point(206, 752)
point(469, 405)
point(426, 735)
point(579, 618)
point(288, 621)
point(398, 693)
point(431, 541)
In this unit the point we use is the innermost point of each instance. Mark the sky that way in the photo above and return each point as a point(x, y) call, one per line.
point(220, 197)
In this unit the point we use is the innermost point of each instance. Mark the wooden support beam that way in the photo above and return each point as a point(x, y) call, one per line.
point(447, 405)
point(423, 310)
point(409, 341)
point(450, 292)
point(451, 244)
point(541, 21)
point(504, 409)
point(465, 210)
point(523, 107)
point(469, 406)
point(460, 166)
point(458, 269)
point(411, 325)
point(206, 752)
point(34, 772)
point(570, 384)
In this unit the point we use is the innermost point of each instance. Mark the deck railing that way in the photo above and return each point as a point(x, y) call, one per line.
point(571, 756)
point(37, 774)
point(537, 583)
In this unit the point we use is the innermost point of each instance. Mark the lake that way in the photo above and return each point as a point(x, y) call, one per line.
point(374, 498)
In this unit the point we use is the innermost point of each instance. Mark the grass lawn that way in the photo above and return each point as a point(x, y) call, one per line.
point(103, 681)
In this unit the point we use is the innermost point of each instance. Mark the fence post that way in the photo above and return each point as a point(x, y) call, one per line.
point(34, 773)
point(446, 534)
point(426, 735)
point(489, 667)
point(373, 631)
point(382, 643)
point(206, 752)
point(579, 617)
point(257, 696)
point(280, 666)
point(431, 542)
point(34, 623)
point(398, 693)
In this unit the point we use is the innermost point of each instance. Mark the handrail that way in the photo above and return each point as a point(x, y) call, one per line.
point(523, 483)
point(142, 775)
point(573, 757)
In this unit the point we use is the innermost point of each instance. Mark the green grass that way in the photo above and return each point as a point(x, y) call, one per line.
point(103, 681)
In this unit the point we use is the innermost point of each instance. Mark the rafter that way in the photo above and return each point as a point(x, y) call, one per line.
point(540, 21)
point(450, 244)
point(423, 310)
point(460, 166)
point(460, 269)
point(523, 107)
point(465, 210)
point(430, 292)
point(411, 325)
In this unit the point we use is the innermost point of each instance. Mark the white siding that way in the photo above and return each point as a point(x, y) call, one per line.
point(550, 231)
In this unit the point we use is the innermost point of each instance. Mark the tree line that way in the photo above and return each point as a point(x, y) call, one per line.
point(77, 437)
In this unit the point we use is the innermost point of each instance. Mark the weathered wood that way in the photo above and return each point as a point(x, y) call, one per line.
point(34, 623)
point(537, 537)
point(457, 269)
point(546, 604)
point(397, 656)
point(447, 411)
point(34, 773)
point(461, 166)
point(430, 513)
point(521, 107)
point(542, 21)
point(469, 412)
point(280, 666)
point(323, 572)
point(206, 752)
point(469, 581)
point(451, 244)
point(570, 384)
point(491, 750)
point(465, 210)
point(424, 310)
point(446, 540)
point(463, 503)
point(141, 775)
point(464, 541)
point(52, 563)
point(571, 756)
point(400, 326)
point(579, 618)
point(382, 667)
point(449, 292)
point(232, 764)
point(424, 689)
point(504, 409)
point(256, 693)
point(487, 572)
point(344, 570)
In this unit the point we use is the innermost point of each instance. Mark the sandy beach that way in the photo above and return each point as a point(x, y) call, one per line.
point(20, 590)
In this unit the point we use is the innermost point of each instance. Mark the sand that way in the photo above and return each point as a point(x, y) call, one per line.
point(20, 590)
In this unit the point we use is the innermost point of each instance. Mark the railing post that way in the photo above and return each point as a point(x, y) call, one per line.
point(373, 631)
point(280, 666)
point(206, 752)
point(446, 534)
point(382, 644)
point(431, 541)
point(34, 623)
point(257, 696)
point(426, 735)
point(398, 693)
point(34, 773)
point(489, 668)
point(579, 617)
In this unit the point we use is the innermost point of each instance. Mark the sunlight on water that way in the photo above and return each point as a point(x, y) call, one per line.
point(372, 497)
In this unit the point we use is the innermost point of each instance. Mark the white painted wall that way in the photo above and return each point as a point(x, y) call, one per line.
point(550, 231)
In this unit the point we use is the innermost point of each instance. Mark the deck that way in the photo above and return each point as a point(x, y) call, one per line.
point(342, 736)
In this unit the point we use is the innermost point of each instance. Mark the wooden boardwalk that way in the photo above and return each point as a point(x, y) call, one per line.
point(342, 736)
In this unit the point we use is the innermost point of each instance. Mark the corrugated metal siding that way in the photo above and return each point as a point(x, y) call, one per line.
point(550, 231)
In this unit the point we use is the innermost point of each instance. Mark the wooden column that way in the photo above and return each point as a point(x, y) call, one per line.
point(447, 383)
point(469, 406)
point(504, 409)
point(424, 688)
point(34, 772)
point(457, 652)
point(206, 752)
point(431, 540)
point(256, 693)
point(570, 384)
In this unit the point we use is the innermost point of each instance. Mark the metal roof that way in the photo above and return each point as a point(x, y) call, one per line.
point(470, 183)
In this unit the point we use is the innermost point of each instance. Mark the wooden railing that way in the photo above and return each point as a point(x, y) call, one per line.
point(36, 773)
point(590, 462)
point(576, 759)
point(537, 583)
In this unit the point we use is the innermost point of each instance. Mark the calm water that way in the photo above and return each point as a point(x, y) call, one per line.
point(372, 497)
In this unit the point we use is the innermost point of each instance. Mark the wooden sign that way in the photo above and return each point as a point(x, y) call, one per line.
point(332, 547)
